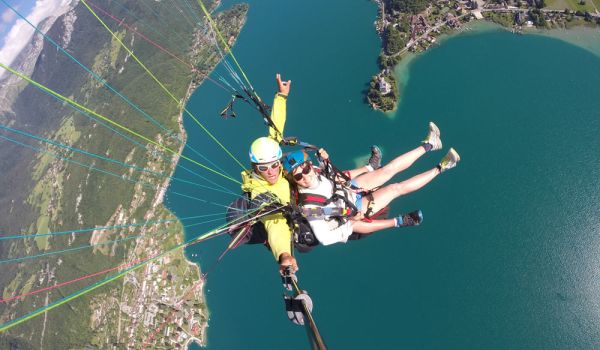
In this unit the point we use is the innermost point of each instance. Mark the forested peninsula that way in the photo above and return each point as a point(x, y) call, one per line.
point(412, 26)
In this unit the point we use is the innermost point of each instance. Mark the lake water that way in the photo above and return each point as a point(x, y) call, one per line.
point(508, 254)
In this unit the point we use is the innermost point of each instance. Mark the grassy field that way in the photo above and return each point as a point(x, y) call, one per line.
point(590, 5)
point(13, 286)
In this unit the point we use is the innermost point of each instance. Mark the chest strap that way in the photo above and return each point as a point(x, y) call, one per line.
point(318, 213)
point(338, 213)
point(311, 198)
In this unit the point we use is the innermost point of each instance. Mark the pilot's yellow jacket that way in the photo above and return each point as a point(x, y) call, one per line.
point(278, 230)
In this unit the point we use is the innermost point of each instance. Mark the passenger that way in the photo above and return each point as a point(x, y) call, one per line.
point(315, 190)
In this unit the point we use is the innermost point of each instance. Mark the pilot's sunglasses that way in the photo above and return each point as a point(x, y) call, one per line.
point(306, 169)
point(264, 168)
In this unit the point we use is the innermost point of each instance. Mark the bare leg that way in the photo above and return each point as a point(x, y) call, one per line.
point(383, 196)
point(365, 228)
point(382, 175)
point(357, 172)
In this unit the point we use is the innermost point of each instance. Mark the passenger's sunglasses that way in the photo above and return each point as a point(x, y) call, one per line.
point(306, 169)
point(266, 167)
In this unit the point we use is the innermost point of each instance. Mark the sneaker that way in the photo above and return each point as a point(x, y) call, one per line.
point(375, 159)
point(413, 218)
point(433, 138)
point(449, 161)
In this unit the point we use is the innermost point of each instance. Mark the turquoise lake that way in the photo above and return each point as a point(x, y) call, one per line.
point(508, 255)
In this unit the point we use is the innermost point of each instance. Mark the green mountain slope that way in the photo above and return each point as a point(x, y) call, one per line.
point(162, 303)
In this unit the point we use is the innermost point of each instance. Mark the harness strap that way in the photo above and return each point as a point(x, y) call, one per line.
point(316, 199)
point(264, 110)
point(350, 207)
point(334, 174)
point(311, 198)
point(320, 213)
point(228, 111)
point(370, 205)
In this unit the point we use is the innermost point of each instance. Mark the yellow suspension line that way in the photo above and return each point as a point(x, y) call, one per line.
point(90, 288)
point(73, 103)
point(218, 230)
point(161, 84)
point(228, 49)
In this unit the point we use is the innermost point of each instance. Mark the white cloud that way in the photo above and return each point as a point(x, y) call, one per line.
point(21, 32)
point(7, 16)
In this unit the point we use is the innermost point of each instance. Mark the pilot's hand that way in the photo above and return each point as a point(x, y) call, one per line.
point(283, 86)
point(287, 260)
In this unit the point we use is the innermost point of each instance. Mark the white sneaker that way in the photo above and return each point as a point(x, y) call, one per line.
point(449, 161)
point(433, 138)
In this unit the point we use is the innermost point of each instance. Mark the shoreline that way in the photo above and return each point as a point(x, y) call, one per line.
point(199, 284)
point(395, 63)
point(402, 70)
point(198, 287)
point(582, 36)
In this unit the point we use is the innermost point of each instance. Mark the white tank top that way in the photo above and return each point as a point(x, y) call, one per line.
point(328, 230)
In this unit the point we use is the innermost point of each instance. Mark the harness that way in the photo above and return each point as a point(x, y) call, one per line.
point(243, 215)
point(250, 230)
point(320, 213)
point(370, 205)
point(303, 237)
point(334, 174)
point(322, 209)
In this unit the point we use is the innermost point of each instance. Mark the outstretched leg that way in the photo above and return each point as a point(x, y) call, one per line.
point(381, 176)
point(383, 196)
point(413, 218)
point(365, 228)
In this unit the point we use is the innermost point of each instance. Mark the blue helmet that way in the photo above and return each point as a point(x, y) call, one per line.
point(294, 159)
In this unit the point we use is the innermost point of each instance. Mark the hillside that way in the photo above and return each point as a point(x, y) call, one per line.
point(59, 190)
